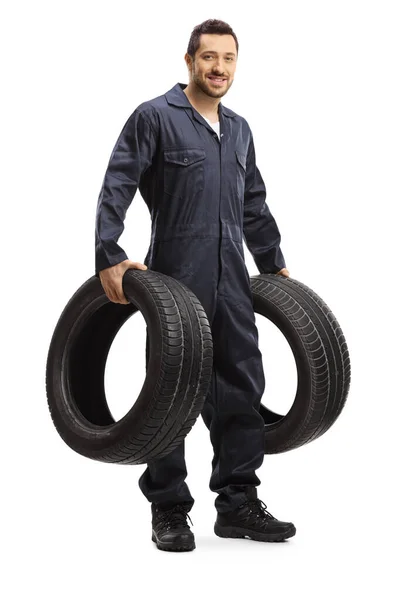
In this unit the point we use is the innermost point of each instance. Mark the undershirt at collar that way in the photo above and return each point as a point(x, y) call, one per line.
point(215, 126)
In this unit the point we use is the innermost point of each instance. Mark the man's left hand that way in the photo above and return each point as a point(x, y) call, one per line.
point(283, 272)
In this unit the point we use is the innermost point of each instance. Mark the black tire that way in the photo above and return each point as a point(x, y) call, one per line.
point(321, 356)
point(177, 377)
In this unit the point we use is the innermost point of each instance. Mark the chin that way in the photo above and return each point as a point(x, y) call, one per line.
point(215, 92)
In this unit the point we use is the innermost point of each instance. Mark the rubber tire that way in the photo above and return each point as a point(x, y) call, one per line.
point(177, 377)
point(321, 355)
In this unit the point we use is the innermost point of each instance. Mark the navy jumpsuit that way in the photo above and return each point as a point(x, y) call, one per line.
point(204, 194)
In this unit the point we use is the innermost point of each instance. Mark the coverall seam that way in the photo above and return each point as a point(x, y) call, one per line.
point(150, 125)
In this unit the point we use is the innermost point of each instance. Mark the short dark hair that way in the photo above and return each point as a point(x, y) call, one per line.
point(209, 26)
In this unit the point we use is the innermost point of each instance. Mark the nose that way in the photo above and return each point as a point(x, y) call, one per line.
point(218, 66)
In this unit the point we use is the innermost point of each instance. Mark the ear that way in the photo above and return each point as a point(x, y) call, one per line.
point(188, 60)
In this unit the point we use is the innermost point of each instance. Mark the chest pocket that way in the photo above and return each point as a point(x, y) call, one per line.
point(184, 171)
point(241, 174)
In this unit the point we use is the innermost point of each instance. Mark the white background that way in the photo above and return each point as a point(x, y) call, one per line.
point(318, 82)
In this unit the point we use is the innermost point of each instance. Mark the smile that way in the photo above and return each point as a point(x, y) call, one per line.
point(217, 80)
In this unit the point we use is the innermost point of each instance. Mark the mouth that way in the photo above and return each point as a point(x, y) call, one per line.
point(217, 80)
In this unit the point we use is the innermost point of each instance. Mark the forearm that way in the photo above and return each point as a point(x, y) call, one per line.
point(263, 239)
point(110, 216)
point(260, 229)
point(131, 157)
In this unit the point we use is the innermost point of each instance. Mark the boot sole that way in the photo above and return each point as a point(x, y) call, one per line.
point(239, 532)
point(177, 546)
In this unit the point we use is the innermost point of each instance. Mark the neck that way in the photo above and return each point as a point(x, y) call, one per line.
point(204, 104)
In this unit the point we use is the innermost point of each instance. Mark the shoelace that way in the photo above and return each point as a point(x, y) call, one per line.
point(257, 510)
point(175, 515)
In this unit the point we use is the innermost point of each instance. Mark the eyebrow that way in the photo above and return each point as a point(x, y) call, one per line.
point(214, 52)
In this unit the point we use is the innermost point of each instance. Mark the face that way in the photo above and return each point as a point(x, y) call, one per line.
point(215, 58)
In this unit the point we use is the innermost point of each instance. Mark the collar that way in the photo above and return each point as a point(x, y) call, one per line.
point(176, 97)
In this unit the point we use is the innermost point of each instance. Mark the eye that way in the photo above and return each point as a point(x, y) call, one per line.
point(210, 56)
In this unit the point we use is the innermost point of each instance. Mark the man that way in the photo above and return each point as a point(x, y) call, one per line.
point(194, 162)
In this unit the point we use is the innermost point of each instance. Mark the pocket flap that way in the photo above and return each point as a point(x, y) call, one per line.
point(184, 156)
point(241, 159)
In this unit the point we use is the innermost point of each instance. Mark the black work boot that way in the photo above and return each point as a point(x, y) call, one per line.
point(170, 530)
point(252, 520)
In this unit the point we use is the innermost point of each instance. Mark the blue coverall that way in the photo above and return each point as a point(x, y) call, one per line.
point(204, 195)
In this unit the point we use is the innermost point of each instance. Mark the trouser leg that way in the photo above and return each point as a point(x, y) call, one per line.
point(163, 480)
point(231, 411)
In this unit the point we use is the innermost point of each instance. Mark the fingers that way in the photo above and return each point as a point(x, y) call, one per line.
point(115, 292)
point(118, 299)
point(111, 280)
point(284, 272)
point(112, 287)
point(113, 296)
point(120, 292)
point(137, 265)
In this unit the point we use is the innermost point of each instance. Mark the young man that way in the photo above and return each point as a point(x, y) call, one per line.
point(194, 163)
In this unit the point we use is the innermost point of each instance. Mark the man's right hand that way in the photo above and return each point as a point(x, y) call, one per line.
point(111, 280)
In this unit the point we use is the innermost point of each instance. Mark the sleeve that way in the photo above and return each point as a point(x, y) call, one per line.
point(131, 156)
point(260, 230)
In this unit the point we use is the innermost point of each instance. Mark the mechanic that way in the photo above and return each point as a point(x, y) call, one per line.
point(193, 160)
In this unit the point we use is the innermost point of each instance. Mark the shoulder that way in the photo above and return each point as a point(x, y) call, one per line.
point(152, 111)
point(245, 126)
point(150, 108)
point(240, 122)
point(147, 112)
